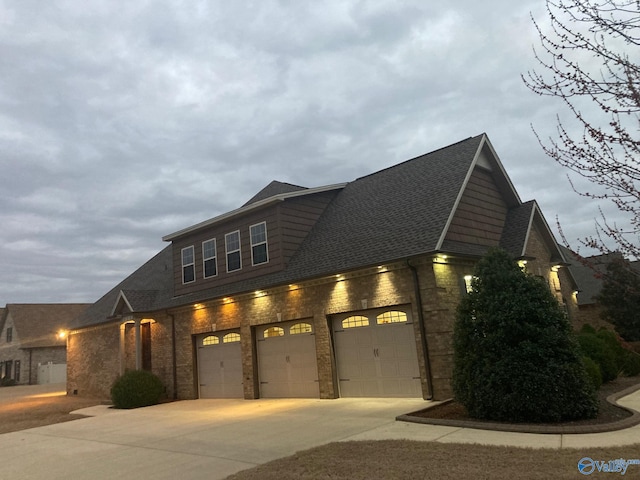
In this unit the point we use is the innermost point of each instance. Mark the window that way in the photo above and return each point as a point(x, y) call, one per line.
point(391, 317)
point(209, 258)
point(299, 328)
point(210, 340)
point(9, 334)
point(188, 265)
point(274, 332)
point(258, 243)
point(355, 321)
point(232, 246)
point(231, 337)
point(16, 370)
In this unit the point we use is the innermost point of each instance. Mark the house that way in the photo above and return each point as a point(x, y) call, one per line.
point(589, 274)
point(339, 290)
point(30, 338)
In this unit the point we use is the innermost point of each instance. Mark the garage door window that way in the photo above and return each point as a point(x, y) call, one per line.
point(210, 340)
point(231, 337)
point(274, 332)
point(299, 328)
point(355, 321)
point(391, 317)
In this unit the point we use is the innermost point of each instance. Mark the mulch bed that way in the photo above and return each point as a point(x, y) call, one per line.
point(455, 413)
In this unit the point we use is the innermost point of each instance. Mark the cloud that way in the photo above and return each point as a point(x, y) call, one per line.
point(124, 122)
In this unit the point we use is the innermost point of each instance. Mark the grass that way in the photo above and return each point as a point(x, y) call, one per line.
point(404, 459)
point(37, 410)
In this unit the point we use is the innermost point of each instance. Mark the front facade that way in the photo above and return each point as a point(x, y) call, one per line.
point(342, 290)
point(32, 349)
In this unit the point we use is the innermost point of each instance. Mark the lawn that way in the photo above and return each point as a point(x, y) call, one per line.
point(404, 459)
point(21, 409)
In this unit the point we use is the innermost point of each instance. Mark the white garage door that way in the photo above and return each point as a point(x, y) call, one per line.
point(220, 365)
point(287, 363)
point(376, 354)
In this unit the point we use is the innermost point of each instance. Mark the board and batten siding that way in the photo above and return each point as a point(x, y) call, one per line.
point(481, 213)
point(297, 216)
point(288, 224)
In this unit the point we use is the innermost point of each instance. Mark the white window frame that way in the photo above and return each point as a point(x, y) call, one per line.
point(192, 264)
point(257, 244)
point(227, 251)
point(205, 258)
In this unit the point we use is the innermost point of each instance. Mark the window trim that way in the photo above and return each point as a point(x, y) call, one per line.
point(185, 265)
point(228, 252)
point(214, 258)
point(253, 245)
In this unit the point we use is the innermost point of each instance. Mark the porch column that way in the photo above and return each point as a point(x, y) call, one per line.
point(123, 359)
point(138, 345)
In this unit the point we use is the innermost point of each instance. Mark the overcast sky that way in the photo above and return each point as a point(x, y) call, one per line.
point(121, 122)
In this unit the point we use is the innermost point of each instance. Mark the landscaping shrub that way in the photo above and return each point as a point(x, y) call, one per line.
point(514, 356)
point(7, 382)
point(136, 388)
point(593, 370)
point(600, 352)
point(631, 366)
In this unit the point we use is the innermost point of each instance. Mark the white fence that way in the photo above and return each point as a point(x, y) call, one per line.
point(52, 373)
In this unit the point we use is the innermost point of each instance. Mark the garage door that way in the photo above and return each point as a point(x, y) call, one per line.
point(376, 354)
point(220, 365)
point(287, 363)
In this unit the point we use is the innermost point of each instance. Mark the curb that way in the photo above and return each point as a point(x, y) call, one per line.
point(631, 421)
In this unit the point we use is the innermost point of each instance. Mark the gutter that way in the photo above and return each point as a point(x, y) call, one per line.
point(423, 331)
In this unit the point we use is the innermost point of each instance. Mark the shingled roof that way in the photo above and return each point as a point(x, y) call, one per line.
point(396, 213)
point(146, 289)
point(274, 188)
point(37, 324)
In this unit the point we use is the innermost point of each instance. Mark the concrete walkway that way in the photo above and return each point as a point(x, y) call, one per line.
point(215, 438)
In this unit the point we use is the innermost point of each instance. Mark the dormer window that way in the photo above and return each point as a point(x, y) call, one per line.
point(209, 266)
point(259, 243)
point(188, 265)
point(232, 247)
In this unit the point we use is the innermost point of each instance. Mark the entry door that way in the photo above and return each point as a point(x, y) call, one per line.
point(220, 365)
point(376, 355)
point(287, 364)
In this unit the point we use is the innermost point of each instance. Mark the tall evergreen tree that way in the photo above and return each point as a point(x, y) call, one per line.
point(515, 358)
point(620, 299)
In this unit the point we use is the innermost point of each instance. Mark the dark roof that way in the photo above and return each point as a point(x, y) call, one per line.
point(37, 324)
point(274, 188)
point(399, 212)
point(148, 287)
point(588, 272)
point(516, 228)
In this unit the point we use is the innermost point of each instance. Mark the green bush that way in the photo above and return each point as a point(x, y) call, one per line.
point(136, 388)
point(7, 382)
point(597, 350)
point(586, 328)
point(593, 370)
point(514, 356)
point(631, 366)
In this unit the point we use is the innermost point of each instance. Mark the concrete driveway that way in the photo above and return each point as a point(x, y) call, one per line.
point(190, 439)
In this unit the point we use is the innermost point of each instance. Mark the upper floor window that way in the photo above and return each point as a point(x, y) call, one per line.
point(209, 258)
point(259, 243)
point(188, 265)
point(232, 246)
point(9, 334)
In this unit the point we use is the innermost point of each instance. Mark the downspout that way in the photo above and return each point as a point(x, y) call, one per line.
point(423, 330)
point(173, 355)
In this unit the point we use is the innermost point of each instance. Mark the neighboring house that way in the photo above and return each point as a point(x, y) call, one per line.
point(589, 273)
point(340, 290)
point(30, 337)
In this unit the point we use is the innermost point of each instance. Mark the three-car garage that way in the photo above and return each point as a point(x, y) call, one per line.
point(374, 354)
